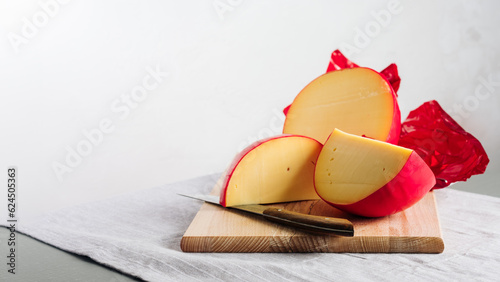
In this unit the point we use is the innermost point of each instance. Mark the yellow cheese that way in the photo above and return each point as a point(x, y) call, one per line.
point(278, 170)
point(350, 167)
point(358, 101)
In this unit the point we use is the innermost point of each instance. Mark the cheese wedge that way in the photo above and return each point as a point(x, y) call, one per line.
point(370, 177)
point(276, 169)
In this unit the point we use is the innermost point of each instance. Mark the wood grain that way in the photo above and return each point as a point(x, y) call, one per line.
point(216, 229)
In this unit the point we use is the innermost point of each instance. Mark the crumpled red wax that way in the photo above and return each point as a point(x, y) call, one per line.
point(338, 62)
point(452, 153)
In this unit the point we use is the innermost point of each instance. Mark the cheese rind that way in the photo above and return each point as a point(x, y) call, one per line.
point(410, 185)
point(357, 100)
point(277, 169)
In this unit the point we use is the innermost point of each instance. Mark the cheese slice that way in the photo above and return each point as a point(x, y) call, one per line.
point(358, 101)
point(350, 168)
point(277, 169)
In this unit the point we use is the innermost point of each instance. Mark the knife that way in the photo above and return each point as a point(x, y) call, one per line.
point(311, 223)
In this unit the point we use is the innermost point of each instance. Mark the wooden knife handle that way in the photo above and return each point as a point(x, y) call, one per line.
point(312, 223)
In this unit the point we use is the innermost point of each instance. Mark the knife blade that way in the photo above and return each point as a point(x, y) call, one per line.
point(311, 223)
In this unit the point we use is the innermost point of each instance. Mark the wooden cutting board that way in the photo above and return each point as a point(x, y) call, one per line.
point(216, 229)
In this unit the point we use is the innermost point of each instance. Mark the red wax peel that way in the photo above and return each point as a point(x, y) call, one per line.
point(391, 74)
point(338, 62)
point(452, 153)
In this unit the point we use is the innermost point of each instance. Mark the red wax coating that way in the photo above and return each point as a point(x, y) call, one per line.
point(452, 153)
point(407, 188)
point(338, 62)
point(392, 75)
